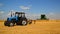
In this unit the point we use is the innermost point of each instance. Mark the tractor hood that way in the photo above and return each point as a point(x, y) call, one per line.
point(12, 18)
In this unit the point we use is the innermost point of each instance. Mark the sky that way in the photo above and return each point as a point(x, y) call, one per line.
point(32, 8)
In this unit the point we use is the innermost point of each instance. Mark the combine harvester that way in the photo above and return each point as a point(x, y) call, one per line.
point(18, 19)
point(43, 17)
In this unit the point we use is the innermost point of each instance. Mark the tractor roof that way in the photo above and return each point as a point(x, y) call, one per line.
point(19, 13)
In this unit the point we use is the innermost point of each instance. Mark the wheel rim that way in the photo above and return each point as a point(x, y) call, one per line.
point(23, 22)
point(11, 24)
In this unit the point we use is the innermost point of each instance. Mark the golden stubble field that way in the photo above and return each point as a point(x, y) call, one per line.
point(39, 27)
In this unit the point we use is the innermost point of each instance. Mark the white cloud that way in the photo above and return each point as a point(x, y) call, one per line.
point(10, 12)
point(25, 7)
point(1, 12)
point(51, 13)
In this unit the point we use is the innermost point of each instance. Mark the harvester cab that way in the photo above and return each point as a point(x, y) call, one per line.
point(19, 19)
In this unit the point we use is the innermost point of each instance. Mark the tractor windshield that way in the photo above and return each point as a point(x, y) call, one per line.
point(23, 15)
point(20, 15)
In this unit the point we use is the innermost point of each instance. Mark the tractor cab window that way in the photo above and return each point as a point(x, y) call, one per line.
point(19, 15)
point(23, 15)
point(16, 15)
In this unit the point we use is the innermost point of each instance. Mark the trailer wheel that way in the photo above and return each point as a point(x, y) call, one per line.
point(24, 22)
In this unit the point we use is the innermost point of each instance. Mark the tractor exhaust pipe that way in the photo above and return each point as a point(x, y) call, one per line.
point(11, 13)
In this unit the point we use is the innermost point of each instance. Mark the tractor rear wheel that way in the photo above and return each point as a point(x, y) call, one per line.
point(24, 22)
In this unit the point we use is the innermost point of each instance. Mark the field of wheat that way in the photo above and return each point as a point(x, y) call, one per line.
point(37, 27)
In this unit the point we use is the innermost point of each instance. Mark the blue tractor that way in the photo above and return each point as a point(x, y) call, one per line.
point(18, 19)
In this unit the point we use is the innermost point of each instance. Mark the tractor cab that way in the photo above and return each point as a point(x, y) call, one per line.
point(20, 15)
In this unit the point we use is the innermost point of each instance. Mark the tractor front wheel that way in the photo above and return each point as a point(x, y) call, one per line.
point(11, 24)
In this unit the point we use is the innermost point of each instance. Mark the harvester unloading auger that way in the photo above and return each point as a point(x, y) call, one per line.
point(18, 19)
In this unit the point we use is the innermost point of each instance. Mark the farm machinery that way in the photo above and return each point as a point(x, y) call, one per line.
point(18, 19)
point(43, 17)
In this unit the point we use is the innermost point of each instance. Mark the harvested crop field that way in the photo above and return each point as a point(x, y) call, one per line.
point(37, 27)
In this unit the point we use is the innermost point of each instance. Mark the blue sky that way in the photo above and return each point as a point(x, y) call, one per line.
point(33, 7)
